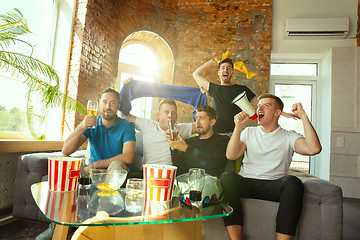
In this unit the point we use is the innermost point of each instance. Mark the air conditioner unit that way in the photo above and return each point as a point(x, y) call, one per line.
point(317, 28)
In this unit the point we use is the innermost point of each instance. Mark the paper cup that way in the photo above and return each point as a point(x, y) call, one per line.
point(63, 173)
point(159, 181)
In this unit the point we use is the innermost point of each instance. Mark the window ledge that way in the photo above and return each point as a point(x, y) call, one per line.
point(18, 145)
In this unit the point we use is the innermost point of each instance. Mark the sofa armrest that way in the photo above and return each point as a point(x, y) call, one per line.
point(31, 168)
point(318, 190)
point(322, 212)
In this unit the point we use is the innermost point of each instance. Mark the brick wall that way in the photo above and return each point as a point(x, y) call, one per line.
point(94, 54)
point(195, 30)
point(209, 28)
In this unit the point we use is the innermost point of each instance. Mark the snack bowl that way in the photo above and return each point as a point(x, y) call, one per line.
point(108, 181)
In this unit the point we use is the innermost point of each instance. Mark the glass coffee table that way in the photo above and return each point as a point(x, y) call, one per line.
point(110, 215)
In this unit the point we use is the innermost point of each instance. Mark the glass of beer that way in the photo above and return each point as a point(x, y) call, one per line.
point(196, 181)
point(173, 131)
point(92, 107)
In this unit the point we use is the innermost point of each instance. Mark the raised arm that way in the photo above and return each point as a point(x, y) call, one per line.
point(127, 156)
point(198, 74)
point(310, 144)
point(235, 147)
point(77, 138)
point(254, 101)
point(129, 117)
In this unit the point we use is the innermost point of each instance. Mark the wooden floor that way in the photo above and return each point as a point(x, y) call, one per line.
point(28, 230)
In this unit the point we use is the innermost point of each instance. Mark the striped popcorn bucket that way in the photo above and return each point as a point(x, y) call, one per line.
point(159, 181)
point(63, 173)
point(60, 206)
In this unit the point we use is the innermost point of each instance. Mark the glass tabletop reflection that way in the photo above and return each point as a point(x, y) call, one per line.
point(88, 206)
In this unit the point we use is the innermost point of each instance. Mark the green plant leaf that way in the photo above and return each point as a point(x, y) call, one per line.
point(41, 78)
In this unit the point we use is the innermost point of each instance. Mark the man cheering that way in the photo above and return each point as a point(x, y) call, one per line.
point(268, 151)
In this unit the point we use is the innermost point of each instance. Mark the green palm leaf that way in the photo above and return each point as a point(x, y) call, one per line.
point(12, 26)
point(27, 66)
point(34, 121)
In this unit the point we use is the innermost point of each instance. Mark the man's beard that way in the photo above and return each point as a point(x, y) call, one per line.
point(108, 116)
point(203, 131)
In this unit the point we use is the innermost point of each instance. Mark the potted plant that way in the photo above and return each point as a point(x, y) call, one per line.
point(42, 79)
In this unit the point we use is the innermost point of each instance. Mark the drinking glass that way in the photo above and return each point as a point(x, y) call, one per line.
point(92, 108)
point(84, 175)
point(196, 181)
point(173, 131)
point(134, 200)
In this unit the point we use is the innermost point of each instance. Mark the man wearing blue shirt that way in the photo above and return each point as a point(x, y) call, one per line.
point(112, 141)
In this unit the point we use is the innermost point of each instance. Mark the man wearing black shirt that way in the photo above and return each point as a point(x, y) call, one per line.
point(206, 150)
point(222, 95)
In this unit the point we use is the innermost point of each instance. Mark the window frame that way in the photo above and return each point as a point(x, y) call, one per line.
point(300, 63)
point(299, 80)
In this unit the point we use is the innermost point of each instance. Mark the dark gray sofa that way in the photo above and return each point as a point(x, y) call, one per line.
point(32, 168)
point(321, 217)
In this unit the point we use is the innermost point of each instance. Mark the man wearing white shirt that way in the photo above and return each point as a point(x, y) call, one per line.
point(268, 151)
point(156, 148)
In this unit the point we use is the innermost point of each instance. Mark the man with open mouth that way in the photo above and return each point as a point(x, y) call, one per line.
point(222, 95)
point(268, 151)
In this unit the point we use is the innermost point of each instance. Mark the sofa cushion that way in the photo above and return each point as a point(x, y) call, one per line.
point(138, 158)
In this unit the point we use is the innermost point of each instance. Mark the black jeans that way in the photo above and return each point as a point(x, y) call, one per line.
point(288, 191)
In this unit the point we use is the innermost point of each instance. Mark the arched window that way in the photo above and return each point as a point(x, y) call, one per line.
point(140, 61)
point(142, 56)
point(147, 57)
